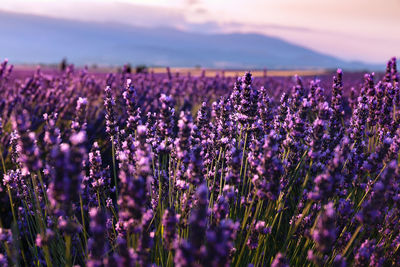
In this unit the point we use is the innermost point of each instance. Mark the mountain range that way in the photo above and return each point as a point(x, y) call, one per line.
point(31, 39)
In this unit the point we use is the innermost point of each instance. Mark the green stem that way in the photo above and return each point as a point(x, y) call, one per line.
point(114, 167)
point(351, 240)
point(68, 250)
point(83, 223)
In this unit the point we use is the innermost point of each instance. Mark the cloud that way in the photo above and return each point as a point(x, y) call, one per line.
point(119, 12)
point(347, 46)
point(201, 10)
point(192, 2)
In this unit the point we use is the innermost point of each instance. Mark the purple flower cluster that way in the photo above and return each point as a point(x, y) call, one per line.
point(150, 169)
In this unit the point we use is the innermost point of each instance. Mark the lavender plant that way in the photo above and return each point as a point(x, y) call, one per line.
point(172, 170)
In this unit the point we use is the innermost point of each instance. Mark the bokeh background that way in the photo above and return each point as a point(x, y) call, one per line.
point(285, 34)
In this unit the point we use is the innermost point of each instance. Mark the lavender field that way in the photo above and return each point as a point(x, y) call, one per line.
point(153, 169)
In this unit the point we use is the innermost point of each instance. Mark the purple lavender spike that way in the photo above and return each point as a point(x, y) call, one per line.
point(279, 261)
point(97, 245)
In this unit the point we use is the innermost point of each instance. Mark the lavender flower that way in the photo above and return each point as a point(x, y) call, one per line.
point(248, 102)
point(195, 168)
point(170, 221)
point(28, 150)
point(132, 108)
point(182, 142)
point(80, 124)
point(198, 220)
point(324, 233)
point(67, 175)
point(97, 244)
point(364, 253)
point(184, 255)
point(270, 170)
point(280, 261)
point(336, 129)
point(259, 228)
point(134, 189)
point(373, 207)
point(98, 183)
point(220, 243)
point(165, 123)
point(111, 123)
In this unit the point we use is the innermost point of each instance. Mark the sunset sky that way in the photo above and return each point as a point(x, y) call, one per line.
point(352, 30)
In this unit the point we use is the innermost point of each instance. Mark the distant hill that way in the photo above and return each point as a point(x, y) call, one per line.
point(37, 39)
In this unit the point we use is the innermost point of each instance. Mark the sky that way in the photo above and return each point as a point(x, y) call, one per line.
point(364, 30)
